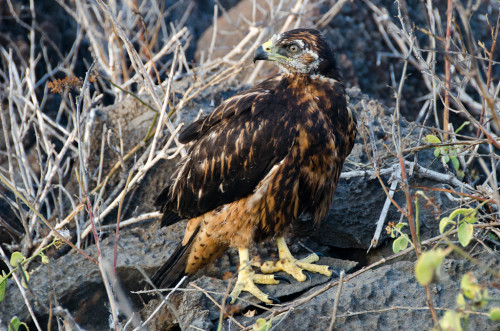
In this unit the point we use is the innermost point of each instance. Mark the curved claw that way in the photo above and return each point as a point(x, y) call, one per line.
point(228, 301)
point(308, 274)
point(320, 254)
point(274, 299)
point(334, 273)
point(278, 277)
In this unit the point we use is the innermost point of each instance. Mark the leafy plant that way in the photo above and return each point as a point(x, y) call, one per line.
point(447, 153)
point(17, 260)
point(402, 239)
point(473, 297)
point(464, 224)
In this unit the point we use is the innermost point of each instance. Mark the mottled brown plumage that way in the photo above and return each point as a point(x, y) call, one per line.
point(262, 158)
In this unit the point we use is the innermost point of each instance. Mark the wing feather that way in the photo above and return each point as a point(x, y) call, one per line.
point(232, 150)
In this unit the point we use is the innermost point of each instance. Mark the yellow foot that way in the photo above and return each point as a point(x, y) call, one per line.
point(292, 266)
point(247, 279)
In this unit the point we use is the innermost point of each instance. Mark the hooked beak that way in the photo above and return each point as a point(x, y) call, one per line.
point(268, 52)
point(260, 54)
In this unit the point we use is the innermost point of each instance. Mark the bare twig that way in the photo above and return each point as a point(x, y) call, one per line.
point(330, 14)
point(385, 209)
point(447, 69)
point(118, 219)
point(337, 300)
point(163, 302)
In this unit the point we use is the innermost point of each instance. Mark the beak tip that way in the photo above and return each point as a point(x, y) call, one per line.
point(260, 54)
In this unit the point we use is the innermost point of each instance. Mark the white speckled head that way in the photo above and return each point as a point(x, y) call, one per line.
point(304, 51)
point(297, 50)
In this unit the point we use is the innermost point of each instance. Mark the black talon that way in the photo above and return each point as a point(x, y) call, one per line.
point(274, 299)
point(334, 273)
point(319, 254)
point(228, 301)
point(278, 277)
point(308, 274)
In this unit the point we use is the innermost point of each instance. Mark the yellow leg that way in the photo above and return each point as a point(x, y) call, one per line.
point(292, 266)
point(247, 279)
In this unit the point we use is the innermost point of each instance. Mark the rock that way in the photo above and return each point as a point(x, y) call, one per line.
point(358, 202)
point(77, 283)
point(378, 299)
point(387, 298)
point(195, 307)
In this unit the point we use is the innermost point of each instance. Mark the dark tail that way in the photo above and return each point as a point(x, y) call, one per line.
point(163, 201)
point(174, 269)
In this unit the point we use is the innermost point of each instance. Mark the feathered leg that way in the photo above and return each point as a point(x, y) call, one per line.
point(292, 266)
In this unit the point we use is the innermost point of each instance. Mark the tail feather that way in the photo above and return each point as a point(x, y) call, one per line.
point(170, 218)
point(174, 269)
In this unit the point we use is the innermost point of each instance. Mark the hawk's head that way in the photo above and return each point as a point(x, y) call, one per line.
point(303, 51)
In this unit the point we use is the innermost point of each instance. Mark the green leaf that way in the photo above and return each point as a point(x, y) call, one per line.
point(445, 221)
point(446, 158)
point(431, 139)
point(3, 285)
point(494, 314)
point(450, 321)
point(465, 232)
point(16, 258)
point(470, 287)
point(262, 325)
point(400, 244)
point(470, 219)
point(15, 323)
point(460, 301)
point(455, 162)
point(399, 226)
point(437, 152)
point(463, 211)
point(428, 266)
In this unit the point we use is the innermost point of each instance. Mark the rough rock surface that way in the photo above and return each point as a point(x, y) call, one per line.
point(77, 282)
point(387, 298)
point(198, 309)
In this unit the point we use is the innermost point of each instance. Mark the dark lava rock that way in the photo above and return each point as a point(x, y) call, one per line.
point(77, 283)
point(387, 298)
point(199, 304)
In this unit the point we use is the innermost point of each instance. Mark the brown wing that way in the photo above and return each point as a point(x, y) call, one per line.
point(232, 151)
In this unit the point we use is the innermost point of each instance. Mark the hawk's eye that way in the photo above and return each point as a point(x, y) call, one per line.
point(293, 48)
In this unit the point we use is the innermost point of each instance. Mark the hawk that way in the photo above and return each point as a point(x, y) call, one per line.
point(260, 160)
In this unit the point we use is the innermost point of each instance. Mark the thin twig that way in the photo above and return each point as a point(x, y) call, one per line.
point(163, 302)
point(447, 71)
point(337, 300)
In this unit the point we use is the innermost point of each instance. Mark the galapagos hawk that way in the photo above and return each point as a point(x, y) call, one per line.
point(260, 160)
